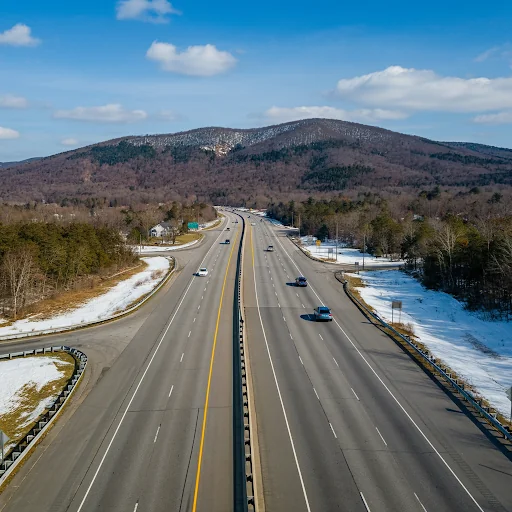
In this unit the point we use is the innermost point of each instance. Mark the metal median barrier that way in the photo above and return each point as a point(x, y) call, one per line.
point(94, 322)
point(19, 452)
point(484, 411)
point(243, 481)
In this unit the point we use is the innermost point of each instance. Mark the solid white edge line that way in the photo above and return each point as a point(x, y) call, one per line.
point(316, 393)
point(354, 393)
point(364, 501)
point(391, 393)
point(156, 435)
point(280, 396)
point(170, 392)
point(383, 440)
point(301, 362)
point(140, 382)
point(334, 433)
point(425, 510)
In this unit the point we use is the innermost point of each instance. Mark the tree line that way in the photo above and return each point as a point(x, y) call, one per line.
point(465, 253)
point(39, 259)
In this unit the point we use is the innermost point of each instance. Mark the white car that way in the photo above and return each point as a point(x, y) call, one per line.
point(202, 272)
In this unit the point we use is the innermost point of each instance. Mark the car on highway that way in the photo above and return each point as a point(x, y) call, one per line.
point(253, 223)
point(270, 248)
point(322, 314)
point(227, 229)
point(227, 241)
point(202, 272)
point(301, 281)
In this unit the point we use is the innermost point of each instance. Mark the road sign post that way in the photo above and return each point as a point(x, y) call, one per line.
point(318, 244)
point(509, 394)
point(396, 304)
point(4, 439)
point(357, 266)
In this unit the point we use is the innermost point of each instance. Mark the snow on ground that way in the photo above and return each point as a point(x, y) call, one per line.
point(16, 374)
point(209, 224)
point(100, 308)
point(278, 223)
point(478, 350)
point(346, 255)
point(148, 249)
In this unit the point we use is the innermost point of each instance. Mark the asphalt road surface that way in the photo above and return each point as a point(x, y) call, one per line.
point(346, 420)
point(137, 437)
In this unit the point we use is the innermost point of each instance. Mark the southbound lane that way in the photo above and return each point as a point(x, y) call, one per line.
point(140, 437)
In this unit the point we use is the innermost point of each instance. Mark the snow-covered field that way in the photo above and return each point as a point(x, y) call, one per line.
point(101, 307)
point(18, 374)
point(478, 350)
point(346, 255)
point(148, 249)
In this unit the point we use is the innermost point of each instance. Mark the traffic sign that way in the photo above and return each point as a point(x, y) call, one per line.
point(318, 243)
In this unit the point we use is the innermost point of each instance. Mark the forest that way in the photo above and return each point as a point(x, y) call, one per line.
point(46, 249)
point(462, 246)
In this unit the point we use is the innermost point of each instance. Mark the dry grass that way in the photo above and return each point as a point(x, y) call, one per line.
point(72, 299)
point(13, 422)
point(188, 237)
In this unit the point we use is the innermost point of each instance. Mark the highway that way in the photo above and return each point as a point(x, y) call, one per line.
point(346, 420)
point(151, 427)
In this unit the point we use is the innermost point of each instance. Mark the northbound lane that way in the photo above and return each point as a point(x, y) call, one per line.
point(346, 421)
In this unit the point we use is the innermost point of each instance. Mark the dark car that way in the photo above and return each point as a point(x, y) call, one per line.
point(227, 241)
point(322, 313)
point(301, 281)
point(227, 229)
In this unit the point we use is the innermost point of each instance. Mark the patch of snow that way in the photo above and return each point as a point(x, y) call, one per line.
point(346, 255)
point(478, 350)
point(209, 224)
point(99, 308)
point(17, 373)
point(148, 249)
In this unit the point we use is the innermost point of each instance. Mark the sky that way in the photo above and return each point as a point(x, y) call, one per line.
point(76, 73)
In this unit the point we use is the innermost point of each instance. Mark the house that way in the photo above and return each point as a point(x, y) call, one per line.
point(162, 229)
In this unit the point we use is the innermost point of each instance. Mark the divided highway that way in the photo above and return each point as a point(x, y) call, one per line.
point(154, 433)
point(346, 421)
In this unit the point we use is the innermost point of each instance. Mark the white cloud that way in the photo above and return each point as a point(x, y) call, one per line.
point(7, 133)
point(498, 118)
point(413, 89)
point(168, 115)
point(195, 60)
point(112, 113)
point(19, 35)
point(10, 101)
point(155, 11)
point(69, 142)
point(364, 115)
point(503, 51)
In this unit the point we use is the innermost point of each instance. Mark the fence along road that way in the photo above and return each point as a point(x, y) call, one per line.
point(346, 420)
point(134, 441)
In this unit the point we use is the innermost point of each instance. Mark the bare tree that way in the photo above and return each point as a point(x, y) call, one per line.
point(20, 269)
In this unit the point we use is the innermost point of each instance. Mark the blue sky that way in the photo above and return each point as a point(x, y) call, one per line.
point(75, 73)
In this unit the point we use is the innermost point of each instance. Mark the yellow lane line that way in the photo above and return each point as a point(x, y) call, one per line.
point(201, 446)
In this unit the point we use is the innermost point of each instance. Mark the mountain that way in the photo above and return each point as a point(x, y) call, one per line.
point(13, 164)
point(225, 165)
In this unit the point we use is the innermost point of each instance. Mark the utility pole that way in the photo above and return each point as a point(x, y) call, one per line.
point(364, 245)
point(292, 220)
point(336, 239)
point(299, 226)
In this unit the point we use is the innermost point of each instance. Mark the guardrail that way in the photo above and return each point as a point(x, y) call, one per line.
point(94, 322)
point(490, 417)
point(244, 500)
point(19, 452)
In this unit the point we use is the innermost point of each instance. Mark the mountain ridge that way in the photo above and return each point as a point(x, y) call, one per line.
point(320, 156)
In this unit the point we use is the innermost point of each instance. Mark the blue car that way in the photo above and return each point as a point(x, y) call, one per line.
point(322, 314)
